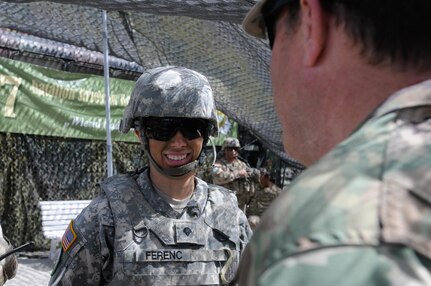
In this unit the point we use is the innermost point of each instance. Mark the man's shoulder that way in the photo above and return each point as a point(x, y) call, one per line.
point(272, 190)
point(240, 162)
point(356, 194)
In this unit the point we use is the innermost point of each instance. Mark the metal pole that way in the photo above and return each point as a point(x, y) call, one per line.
point(107, 95)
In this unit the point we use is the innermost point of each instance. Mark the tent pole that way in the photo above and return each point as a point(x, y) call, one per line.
point(107, 95)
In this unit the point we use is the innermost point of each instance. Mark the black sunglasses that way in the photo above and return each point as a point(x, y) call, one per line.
point(270, 12)
point(272, 8)
point(163, 129)
point(232, 148)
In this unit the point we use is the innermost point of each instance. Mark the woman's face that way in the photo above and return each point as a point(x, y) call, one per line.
point(175, 152)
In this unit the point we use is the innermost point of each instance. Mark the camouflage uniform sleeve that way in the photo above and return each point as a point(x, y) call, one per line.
point(88, 259)
point(254, 174)
point(223, 175)
point(348, 265)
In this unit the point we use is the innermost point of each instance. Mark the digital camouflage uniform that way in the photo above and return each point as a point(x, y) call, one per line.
point(130, 236)
point(262, 198)
point(359, 216)
point(9, 265)
point(226, 174)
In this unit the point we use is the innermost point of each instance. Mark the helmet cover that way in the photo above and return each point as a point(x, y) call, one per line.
point(231, 142)
point(170, 92)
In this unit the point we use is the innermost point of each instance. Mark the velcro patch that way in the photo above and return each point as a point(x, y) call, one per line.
point(69, 237)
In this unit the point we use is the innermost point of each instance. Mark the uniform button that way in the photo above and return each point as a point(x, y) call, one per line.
point(187, 231)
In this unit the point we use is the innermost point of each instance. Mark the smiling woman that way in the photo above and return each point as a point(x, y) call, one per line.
point(200, 226)
point(167, 100)
point(175, 152)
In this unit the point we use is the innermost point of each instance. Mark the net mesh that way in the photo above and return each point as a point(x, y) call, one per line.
point(204, 35)
point(40, 168)
point(37, 168)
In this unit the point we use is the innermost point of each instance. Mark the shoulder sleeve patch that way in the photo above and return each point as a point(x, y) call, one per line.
point(69, 237)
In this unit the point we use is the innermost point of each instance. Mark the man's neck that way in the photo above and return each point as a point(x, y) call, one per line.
point(352, 96)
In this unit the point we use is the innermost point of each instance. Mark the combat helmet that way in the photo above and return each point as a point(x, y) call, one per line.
point(170, 91)
point(231, 142)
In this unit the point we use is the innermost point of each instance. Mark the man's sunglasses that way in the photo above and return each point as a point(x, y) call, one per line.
point(163, 129)
point(272, 9)
point(232, 148)
point(270, 12)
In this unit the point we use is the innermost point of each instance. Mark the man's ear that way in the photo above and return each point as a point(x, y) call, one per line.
point(315, 34)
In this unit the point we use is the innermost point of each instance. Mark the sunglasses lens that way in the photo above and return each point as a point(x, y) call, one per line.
point(158, 130)
point(193, 128)
point(232, 149)
point(163, 129)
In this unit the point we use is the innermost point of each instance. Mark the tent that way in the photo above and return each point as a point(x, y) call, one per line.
point(204, 35)
point(68, 35)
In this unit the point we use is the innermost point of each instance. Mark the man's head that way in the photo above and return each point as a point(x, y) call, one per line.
point(335, 61)
point(387, 30)
point(254, 221)
point(265, 179)
point(231, 148)
point(172, 111)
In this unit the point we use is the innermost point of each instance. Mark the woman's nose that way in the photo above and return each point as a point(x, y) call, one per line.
point(178, 139)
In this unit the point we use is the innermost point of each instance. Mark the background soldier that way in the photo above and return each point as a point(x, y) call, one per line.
point(235, 174)
point(160, 225)
point(352, 88)
point(264, 195)
point(9, 265)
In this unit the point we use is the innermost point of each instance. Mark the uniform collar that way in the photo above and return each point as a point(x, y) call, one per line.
point(197, 200)
point(411, 96)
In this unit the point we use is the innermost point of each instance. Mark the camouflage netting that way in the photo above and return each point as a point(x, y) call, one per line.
point(204, 35)
point(40, 168)
point(36, 168)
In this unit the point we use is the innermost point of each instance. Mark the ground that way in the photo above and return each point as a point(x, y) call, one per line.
point(33, 269)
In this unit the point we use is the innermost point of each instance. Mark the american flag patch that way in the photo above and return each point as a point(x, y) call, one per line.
point(69, 237)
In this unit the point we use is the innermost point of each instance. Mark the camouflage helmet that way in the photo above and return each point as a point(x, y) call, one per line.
point(170, 91)
point(231, 142)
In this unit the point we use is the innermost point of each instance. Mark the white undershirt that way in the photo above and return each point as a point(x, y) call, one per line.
point(176, 204)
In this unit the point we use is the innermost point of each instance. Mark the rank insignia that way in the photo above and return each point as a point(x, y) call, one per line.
point(69, 237)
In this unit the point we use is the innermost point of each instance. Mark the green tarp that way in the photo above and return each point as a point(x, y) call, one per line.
point(41, 101)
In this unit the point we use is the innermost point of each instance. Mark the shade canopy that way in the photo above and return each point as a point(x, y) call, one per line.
point(204, 35)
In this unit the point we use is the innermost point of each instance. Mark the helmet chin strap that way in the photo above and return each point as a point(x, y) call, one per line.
point(176, 171)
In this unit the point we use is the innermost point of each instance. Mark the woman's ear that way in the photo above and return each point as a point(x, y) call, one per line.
point(138, 135)
point(315, 25)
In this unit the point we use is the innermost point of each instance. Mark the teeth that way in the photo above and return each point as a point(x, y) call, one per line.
point(176, 157)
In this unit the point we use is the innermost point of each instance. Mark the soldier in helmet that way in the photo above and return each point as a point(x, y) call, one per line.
point(235, 174)
point(264, 194)
point(161, 225)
